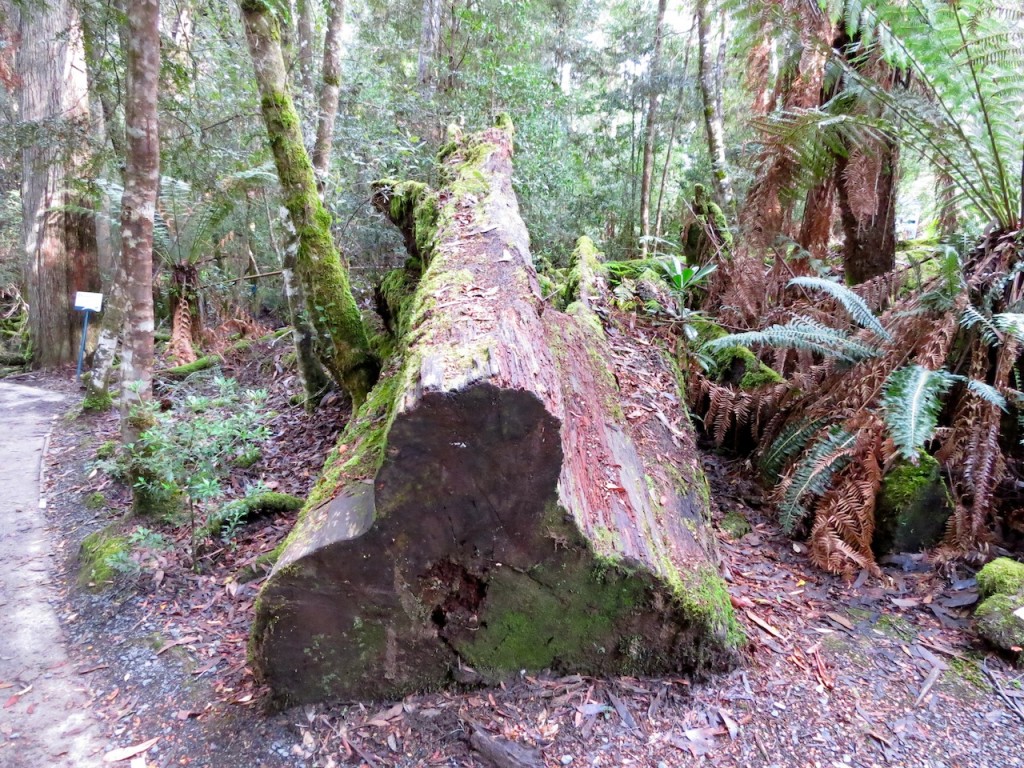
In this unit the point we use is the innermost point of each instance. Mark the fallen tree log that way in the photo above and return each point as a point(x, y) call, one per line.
point(491, 505)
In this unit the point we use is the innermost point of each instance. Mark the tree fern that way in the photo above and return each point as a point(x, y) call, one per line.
point(911, 402)
point(851, 302)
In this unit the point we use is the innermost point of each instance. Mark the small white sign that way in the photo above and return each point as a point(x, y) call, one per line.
point(91, 301)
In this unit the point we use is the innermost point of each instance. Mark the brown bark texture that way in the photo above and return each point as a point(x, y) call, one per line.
point(138, 204)
point(490, 507)
point(330, 91)
point(866, 191)
point(60, 255)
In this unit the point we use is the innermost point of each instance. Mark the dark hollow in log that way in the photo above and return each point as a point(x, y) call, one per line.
point(490, 505)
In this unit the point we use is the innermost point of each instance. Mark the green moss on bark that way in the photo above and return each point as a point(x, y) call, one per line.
point(332, 308)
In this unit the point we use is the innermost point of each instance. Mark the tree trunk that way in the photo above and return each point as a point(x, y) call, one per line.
point(652, 109)
point(138, 204)
point(59, 246)
point(306, 56)
point(713, 123)
point(332, 308)
point(866, 190)
point(430, 32)
point(330, 90)
point(490, 504)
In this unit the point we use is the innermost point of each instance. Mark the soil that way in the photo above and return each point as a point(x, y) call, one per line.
point(874, 672)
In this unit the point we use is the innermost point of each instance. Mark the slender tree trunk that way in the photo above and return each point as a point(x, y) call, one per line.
point(330, 91)
point(713, 123)
point(59, 246)
point(652, 109)
point(138, 205)
point(430, 32)
point(332, 308)
point(307, 65)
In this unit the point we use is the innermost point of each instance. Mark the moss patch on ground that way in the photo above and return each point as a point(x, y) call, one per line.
point(98, 556)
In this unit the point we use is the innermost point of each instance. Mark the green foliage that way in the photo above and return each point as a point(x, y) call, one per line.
point(850, 301)
point(800, 333)
point(911, 403)
point(812, 475)
point(191, 449)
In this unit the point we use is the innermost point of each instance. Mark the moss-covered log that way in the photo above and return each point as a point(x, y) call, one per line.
point(490, 505)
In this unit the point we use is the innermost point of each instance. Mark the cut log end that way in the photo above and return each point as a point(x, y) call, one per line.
point(490, 505)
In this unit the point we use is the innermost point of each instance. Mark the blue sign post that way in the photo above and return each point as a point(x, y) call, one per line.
point(87, 302)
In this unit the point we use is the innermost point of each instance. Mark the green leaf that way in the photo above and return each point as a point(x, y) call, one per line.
point(911, 402)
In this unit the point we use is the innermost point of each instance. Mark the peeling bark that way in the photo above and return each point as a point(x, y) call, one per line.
point(490, 505)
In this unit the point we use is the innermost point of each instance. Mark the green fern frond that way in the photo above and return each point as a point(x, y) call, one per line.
point(972, 318)
point(851, 302)
point(813, 473)
point(1010, 323)
point(800, 333)
point(790, 442)
point(911, 402)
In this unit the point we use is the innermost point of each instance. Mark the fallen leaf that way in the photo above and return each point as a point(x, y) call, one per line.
point(840, 620)
point(126, 753)
point(764, 625)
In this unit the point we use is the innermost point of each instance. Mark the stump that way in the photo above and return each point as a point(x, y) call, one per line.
point(490, 506)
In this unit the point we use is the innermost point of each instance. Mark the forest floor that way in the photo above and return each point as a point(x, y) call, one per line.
point(837, 674)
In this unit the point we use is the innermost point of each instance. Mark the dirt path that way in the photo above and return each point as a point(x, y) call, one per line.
point(45, 719)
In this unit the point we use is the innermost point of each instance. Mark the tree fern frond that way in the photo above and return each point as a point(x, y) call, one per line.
point(911, 402)
point(800, 333)
point(812, 475)
point(790, 442)
point(971, 318)
point(851, 302)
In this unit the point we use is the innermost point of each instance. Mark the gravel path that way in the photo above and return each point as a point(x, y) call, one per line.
point(45, 717)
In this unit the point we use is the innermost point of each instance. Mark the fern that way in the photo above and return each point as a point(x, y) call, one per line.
point(804, 334)
point(851, 302)
point(812, 475)
point(911, 403)
point(790, 442)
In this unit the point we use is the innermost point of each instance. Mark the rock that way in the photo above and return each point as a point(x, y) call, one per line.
point(1000, 620)
point(912, 508)
point(1002, 576)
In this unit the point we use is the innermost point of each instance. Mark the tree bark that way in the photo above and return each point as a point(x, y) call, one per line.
point(490, 503)
point(307, 65)
point(866, 190)
point(332, 308)
point(138, 204)
point(652, 109)
point(713, 122)
point(59, 246)
point(430, 32)
point(330, 90)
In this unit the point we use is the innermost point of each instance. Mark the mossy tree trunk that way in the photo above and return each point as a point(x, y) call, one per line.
point(324, 280)
point(491, 505)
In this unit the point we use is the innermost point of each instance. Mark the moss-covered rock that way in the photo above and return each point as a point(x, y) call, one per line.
point(1000, 620)
point(95, 500)
point(98, 556)
point(738, 365)
point(912, 508)
point(734, 524)
point(1002, 576)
